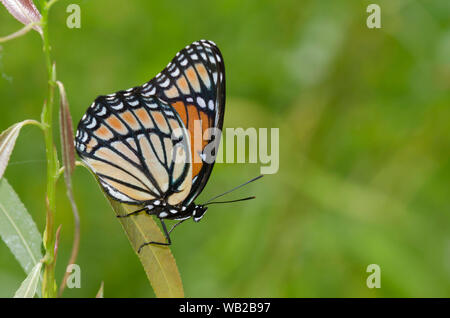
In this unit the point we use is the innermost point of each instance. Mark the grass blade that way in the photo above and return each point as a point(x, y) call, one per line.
point(29, 286)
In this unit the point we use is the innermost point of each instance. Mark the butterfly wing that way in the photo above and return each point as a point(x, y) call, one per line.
point(125, 137)
point(193, 83)
point(137, 146)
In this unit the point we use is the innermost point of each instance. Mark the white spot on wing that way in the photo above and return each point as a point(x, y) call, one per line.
point(102, 111)
point(134, 103)
point(201, 102)
point(150, 92)
point(175, 73)
point(117, 107)
point(165, 83)
point(91, 125)
point(85, 137)
point(152, 105)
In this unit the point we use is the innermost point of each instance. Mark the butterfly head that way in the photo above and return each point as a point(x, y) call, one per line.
point(198, 212)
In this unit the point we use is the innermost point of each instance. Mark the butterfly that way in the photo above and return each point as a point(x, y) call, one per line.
point(143, 144)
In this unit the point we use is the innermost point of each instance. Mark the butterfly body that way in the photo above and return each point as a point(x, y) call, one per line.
point(165, 211)
point(140, 142)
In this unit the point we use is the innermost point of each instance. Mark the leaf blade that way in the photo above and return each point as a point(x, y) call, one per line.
point(7, 141)
point(68, 156)
point(155, 259)
point(17, 228)
point(24, 11)
point(158, 261)
point(100, 291)
point(28, 288)
point(66, 134)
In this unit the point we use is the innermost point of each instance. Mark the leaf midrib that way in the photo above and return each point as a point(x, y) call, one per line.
point(157, 259)
point(8, 138)
point(19, 233)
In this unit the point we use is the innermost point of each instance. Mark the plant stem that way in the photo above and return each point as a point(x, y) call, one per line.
point(49, 283)
point(19, 33)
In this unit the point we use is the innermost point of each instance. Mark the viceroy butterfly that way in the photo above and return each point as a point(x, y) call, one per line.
point(140, 142)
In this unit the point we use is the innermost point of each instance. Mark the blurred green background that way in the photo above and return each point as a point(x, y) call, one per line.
point(364, 119)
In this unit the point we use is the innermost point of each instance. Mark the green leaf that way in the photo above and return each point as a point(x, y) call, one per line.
point(68, 156)
point(8, 139)
point(158, 261)
point(17, 228)
point(29, 286)
point(7, 142)
point(24, 11)
point(100, 291)
point(66, 134)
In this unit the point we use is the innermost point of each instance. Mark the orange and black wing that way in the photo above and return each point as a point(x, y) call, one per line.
point(137, 146)
point(193, 83)
point(129, 138)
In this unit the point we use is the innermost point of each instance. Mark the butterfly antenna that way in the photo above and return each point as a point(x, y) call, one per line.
point(239, 186)
point(244, 199)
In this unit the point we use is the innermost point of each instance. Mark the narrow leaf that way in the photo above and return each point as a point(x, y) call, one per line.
point(158, 261)
point(7, 142)
point(17, 228)
point(66, 132)
point(68, 155)
point(100, 291)
point(24, 11)
point(29, 286)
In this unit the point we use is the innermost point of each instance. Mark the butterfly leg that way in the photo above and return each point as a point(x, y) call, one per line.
point(166, 234)
point(132, 213)
point(175, 225)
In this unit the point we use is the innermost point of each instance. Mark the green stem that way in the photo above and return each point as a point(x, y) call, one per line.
point(49, 283)
point(19, 33)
